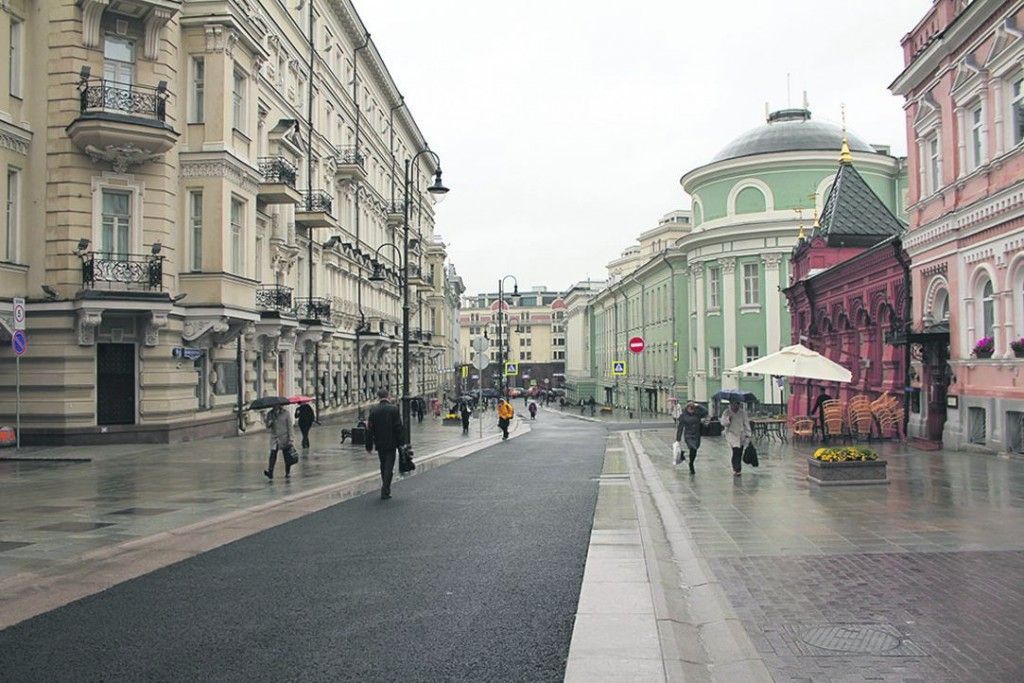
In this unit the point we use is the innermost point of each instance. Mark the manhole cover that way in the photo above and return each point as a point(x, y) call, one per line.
point(872, 640)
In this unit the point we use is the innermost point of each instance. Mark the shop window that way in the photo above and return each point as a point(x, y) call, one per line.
point(227, 378)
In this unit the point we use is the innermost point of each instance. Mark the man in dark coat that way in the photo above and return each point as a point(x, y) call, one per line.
point(305, 416)
point(464, 413)
point(384, 430)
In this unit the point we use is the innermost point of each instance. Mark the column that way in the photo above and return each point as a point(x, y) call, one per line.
point(961, 140)
point(1005, 321)
point(996, 145)
point(729, 313)
point(773, 305)
point(700, 385)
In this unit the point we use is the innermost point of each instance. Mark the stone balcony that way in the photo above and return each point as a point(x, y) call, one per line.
point(124, 124)
point(314, 210)
point(277, 181)
point(349, 163)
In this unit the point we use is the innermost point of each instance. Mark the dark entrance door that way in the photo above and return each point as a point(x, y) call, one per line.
point(936, 357)
point(115, 384)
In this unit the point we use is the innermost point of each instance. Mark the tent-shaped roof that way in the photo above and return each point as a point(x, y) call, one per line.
point(853, 215)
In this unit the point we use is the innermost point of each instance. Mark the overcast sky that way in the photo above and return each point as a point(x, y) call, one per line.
point(563, 126)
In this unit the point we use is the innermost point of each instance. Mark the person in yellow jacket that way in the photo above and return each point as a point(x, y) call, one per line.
point(505, 413)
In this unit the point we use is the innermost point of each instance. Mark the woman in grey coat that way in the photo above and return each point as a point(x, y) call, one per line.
point(279, 422)
point(688, 429)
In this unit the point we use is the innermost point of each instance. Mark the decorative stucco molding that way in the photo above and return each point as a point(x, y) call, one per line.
point(224, 167)
point(157, 321)
point(88, 320)
point(220, 39)
point(198, 327)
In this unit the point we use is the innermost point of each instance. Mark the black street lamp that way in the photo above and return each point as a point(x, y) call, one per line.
point(501, 341)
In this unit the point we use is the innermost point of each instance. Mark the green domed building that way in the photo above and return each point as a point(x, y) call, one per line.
point(749, 204)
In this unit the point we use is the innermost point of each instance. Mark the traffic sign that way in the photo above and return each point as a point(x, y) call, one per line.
point(19, 342)
point(481, 344)
point(481, 361)
point(19, 313)
point(618, 368)
point(511, 369)
point(186, 352)
point(636, 344)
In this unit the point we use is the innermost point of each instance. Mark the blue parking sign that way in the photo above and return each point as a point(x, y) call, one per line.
point(19, 342)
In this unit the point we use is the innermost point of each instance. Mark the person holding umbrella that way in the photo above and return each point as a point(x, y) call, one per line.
point(736, 425)
point(688, 429)
point(279, 422)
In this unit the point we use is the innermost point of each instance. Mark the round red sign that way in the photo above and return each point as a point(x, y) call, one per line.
point(636, 344)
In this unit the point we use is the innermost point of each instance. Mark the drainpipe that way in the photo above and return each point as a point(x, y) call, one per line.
point(643, 333)
point(391, 145)
point(241, 380)
point(359, 267)
point(907, 317)
point(309, 200)
point(672, 303)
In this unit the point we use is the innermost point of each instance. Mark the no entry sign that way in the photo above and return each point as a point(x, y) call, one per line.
point(636, 344)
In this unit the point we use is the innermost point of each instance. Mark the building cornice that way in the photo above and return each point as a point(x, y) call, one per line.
point(968, 220)
point(759, 163)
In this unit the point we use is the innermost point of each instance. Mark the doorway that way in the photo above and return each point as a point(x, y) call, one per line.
point(937, 383)
point(115, 384)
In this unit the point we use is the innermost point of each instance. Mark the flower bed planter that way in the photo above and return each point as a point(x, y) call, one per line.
point(846, 473)
point(983, 354)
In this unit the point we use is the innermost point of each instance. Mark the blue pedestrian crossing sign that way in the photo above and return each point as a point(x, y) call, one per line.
point(511, 369)
point(618, 368)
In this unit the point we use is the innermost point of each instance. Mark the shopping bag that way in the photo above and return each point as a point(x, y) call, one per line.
point(750, 455)
point(290, 456)
point(677, 453)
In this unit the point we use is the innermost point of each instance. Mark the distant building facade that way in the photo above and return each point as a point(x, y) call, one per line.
point(963, 83)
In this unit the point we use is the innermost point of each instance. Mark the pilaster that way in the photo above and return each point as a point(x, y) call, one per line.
point(729, 312)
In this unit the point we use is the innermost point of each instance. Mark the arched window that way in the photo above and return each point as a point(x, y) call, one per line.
point(750, 200)
point(987, 309)
point(940, 307)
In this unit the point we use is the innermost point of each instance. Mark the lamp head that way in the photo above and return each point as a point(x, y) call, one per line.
point(155, 249)
point(376, 278)
point(437, 190)
point(83, 246)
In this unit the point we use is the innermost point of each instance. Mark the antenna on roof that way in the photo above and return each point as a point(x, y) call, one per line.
point(844, 151)
point(767, 110)
point(788, 102)
point(807, 105)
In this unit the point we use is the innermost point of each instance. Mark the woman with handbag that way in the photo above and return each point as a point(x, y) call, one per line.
point(505, 414)
point(688, 426)
point(279, 422)
point(736, 426)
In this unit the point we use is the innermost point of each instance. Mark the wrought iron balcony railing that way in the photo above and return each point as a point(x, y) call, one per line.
point(100, 95)
point(130, 270)
point(317, 309)
point(317, 200)
point(348, 155)
point(277, 170)
point(274, 298)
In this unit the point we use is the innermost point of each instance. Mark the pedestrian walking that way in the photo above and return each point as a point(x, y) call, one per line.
point(279, 422)
point(385, 432)
point(464, 413)
point(561, 403)
point(591, 402)
point(437, 408)
point(505, 414)
point(533, 410)
point(736, 426)
point(305, 416)
point(688, 430)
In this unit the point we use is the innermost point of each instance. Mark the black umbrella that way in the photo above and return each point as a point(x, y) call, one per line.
point(269, 402)
point(734, 395)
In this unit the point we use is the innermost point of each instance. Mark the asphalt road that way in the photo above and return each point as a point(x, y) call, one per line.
point(470, 572)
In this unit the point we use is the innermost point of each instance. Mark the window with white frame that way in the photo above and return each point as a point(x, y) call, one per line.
point(15, 60)
point(940, 306)
point(198, 89)
point(1017, 111)
point(934, 163)
point(716, 361)
point(118, 60)
point(195, 229)
point(12, 216)
point(977, 127)
point(714, 281)
point(751, 284)
point(238, 101)
point(115, 223)
point(750, 353)
point(237, 235)
point(988, 309)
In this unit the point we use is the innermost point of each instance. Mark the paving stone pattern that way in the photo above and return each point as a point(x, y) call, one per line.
point(920, 580)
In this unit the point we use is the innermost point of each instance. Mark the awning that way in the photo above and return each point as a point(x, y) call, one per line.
point(930, 334)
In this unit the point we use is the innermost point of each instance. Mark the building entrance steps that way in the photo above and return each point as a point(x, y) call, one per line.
point(70, 529)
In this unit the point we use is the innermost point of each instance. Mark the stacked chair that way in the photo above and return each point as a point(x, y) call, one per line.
point(860, 417)
point(803, 428)
point(888, 415)
point(835, 419)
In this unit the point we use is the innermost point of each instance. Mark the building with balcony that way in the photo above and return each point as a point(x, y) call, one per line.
point(963, 85)
point(187, 236)
point(533, 327)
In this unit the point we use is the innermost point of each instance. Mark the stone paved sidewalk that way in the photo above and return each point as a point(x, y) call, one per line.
point(52, 511)
point(922, 579)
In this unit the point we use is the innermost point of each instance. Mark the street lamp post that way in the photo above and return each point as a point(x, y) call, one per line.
point(501, 339)
point(438, 190)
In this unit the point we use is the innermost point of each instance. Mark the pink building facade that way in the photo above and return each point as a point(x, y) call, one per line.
point(963, 85)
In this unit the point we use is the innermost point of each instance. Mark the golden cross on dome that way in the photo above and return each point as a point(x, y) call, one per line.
point(844, 152)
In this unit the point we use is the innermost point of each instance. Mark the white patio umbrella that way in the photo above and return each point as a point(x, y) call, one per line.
point(797, 361)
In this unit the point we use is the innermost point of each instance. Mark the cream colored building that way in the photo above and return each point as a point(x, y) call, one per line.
point(534, 330)
point(185, 242)
point(672, 226)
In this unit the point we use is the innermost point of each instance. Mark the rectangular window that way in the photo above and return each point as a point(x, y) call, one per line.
point(202, 382)
point(750, 353)
point(237, 236)
point(118, 60)
point(1017, 111)
point(238, 101)
point(751, 285)
point(227, 378)
point(198, 88)
point(11, 225)
point(977, 139)
point(259, 258)
point(195, 225)
point(14, 63)
point(115, 228)
point(934, 170)
point(716, 361)
point(713, 283)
